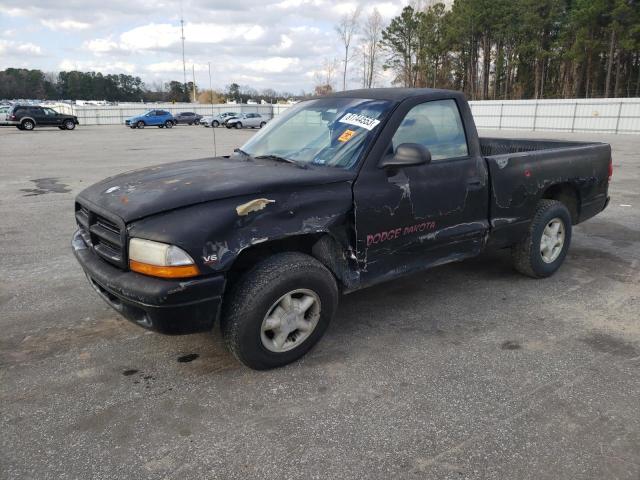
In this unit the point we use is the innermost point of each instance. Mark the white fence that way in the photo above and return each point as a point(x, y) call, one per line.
point(606, 115)
point(117, 114)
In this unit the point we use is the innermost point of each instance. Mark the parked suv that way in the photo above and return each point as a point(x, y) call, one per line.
point(27, 117)
point(152, 118)
point(189, 118)
point(217, 120)
point(253, 120)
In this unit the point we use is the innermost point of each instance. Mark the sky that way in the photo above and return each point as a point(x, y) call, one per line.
point(278, 44)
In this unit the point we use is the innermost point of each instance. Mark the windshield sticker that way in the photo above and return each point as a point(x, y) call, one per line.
point(360, 121)
point(346, 135)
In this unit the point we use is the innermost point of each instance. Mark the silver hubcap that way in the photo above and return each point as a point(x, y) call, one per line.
point(290, 320)
point(552, 240)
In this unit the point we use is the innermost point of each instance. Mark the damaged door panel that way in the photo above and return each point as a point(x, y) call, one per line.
point(337, 193)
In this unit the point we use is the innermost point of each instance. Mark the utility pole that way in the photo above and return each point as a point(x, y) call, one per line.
point(213, 129)
point(184, 65)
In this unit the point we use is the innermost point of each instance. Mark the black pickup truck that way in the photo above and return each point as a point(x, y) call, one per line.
point(336, 194)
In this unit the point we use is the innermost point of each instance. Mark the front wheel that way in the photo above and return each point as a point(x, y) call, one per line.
point(545, 246)
point(262, 124)
point(69, 124)
point(140, 124)
point(279, 310)
point(238, 125)
point(215, 124)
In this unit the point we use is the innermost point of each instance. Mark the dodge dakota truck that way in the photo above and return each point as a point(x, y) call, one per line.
point(336, 194)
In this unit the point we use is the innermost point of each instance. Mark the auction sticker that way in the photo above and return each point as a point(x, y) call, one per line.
point(346, 135)
point(360, 121)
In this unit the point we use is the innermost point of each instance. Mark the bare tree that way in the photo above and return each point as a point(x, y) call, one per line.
point(347, 29)
point(372, 34)
point(324, 78)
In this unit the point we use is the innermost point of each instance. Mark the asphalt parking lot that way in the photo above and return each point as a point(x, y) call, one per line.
point(469, 370)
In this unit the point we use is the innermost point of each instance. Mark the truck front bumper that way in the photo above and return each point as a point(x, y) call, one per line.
point(172, 307)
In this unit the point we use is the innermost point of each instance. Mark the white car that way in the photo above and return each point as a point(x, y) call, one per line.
point(253, 120)
point(217, 120)
point(4, 113)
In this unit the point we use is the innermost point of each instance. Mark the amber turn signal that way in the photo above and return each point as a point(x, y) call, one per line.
point(181, 271)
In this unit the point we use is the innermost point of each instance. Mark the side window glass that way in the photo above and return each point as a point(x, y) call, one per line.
point(436, 125)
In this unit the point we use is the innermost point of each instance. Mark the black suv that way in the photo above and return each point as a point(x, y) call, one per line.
point(189, 118)
point(27, 117)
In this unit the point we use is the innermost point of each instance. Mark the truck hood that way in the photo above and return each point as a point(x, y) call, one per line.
point(148, 191)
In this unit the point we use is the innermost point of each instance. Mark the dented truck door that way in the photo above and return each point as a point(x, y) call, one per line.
point(412, 217)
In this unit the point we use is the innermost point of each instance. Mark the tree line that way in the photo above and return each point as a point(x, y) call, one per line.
point(498, 49)
point(20, 83)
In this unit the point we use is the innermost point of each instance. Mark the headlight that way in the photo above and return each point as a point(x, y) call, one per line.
point(160, 259)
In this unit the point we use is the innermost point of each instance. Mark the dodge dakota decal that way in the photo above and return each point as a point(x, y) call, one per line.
point(375, 238)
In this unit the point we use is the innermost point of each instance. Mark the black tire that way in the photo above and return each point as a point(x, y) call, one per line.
point(254, 295)
point(238, 125)
point(215, 124)
point(227, 125)
point(62, 128)
point(28, 125)
point(19, 127)
point(262, 124)
point(197, 122)
point(168, 124)
point(69, 124)
point(140, 124)
point(526, 254)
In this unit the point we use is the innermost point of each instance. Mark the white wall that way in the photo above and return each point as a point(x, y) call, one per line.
point(605, 115)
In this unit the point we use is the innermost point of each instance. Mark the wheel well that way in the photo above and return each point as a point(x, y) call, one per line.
point(321, 246)
point(568, 195)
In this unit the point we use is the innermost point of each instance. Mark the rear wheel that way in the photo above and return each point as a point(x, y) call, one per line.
point(140, 124)
point(278, 310)
point(545, 246)
point(238, 125)
point(262, 124)
point(69, 124)
point(19, 127)
point(28, 124)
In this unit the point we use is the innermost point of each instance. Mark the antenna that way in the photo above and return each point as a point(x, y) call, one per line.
point(184, 65)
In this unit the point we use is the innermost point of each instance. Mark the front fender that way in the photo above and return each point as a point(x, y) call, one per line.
point(215, 233)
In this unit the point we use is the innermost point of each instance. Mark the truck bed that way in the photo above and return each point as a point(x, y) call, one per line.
point(523, 171)
point(502, 146)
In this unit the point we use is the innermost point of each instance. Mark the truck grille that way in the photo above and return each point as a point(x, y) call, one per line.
point(106, 236)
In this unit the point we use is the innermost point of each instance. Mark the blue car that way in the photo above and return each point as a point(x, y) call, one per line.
point(152, 118)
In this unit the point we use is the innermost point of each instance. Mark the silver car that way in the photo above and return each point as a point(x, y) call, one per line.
point(253, 120)
point(217, 120)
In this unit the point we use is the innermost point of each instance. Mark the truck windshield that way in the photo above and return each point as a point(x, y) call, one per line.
point(327, 131)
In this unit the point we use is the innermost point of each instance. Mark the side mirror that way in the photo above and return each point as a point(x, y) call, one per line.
point(407, 155)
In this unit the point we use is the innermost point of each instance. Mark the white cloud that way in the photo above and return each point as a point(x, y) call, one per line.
point(56, 25)
point(175, 66)
point(11, 48)
point(273, 64)
point(100, 45)
point(103, 67)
